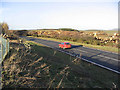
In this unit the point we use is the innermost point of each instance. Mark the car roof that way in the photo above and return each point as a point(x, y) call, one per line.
point(66, 42)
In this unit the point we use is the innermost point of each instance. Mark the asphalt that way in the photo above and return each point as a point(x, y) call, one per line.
point(106, 59)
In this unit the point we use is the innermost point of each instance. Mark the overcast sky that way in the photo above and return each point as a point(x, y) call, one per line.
point(76, 14)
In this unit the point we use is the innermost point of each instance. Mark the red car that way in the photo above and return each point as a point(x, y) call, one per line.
point(65, 45)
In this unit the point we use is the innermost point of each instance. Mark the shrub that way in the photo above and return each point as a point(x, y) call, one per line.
point(110, 44)
point(67, 29)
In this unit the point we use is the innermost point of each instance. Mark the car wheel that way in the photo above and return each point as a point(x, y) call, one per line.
point(63, 47)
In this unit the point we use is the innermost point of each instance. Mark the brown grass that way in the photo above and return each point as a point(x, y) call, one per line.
point(42, 67)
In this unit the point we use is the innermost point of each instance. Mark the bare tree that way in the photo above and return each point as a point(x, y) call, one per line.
point(5, 28)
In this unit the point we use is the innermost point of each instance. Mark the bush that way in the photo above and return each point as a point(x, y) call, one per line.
point(102, 44)
point(86, 42)
point(68, 29)
point(80, 40)
point(118, 45)
point(35, 35)
point(110, 44)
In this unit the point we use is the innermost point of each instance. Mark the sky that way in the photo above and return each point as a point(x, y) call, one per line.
point(51, 14)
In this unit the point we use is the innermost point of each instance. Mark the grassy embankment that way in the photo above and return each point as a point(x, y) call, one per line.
point(105, 48)
point(43, 67)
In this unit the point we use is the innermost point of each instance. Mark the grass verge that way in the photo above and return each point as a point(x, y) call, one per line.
point(43, 67)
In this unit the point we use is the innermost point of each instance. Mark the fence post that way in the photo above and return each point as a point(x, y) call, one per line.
point(1, 49)
point(6, 46)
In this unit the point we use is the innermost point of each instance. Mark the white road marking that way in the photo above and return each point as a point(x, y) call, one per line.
point(108, 57)
point(99, 55)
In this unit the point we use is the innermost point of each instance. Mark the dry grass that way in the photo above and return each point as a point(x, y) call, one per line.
point(42, 67)
point(35, 61)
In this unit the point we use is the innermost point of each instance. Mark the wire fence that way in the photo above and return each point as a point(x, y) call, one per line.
point(4, 47)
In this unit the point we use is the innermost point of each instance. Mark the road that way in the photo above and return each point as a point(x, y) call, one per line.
point(101, 58)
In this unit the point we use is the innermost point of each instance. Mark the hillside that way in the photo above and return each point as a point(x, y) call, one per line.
point(38, 66)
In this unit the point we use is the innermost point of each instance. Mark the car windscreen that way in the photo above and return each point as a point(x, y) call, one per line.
point(62, 43)
point(67, 43)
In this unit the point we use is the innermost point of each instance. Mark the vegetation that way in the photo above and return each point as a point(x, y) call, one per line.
point(5, 28)
point(110, 32)
point(83, 37)
point(21, 33)
point(67, 29)
point(38, 66)
point(6, 33)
